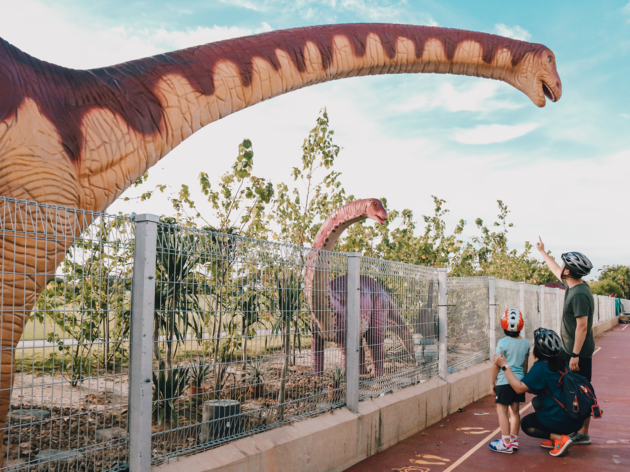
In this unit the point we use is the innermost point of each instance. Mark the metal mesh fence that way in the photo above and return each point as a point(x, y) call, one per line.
point(236, 349)
point(399, 334)
point(247, 335)
point(65, 306)
point(552, 313)
point(467, 322)
point(531, 312)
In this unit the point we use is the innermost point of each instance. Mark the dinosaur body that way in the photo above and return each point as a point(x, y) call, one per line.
point(80, 138)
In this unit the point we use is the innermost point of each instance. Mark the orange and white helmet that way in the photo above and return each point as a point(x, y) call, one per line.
point(512, 320)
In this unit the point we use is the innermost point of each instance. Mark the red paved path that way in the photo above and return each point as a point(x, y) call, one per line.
point(437, 448)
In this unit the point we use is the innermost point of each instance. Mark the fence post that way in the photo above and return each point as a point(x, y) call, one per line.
point(442, 315)
point(353, 339)
point(491, 314)
point(542, 306)
point(141, 362)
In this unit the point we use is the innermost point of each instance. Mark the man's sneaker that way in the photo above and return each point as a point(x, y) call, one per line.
point(499, 446)
point(560, 446)
point(514, 444)
point(580, 439)
point(548, 444)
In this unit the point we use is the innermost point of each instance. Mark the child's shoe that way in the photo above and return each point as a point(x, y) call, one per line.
point(560, 446)
point(514, 442)
point(548, 444)
point(499, 445)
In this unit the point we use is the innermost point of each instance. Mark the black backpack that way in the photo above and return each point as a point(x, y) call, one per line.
point(578, 396)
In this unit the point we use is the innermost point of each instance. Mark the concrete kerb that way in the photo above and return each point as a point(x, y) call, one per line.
point(339, 439)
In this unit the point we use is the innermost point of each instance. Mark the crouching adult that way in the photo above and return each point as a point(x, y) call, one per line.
point(549, 421)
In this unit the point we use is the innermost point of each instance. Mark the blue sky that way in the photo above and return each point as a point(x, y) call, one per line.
point(562, 170)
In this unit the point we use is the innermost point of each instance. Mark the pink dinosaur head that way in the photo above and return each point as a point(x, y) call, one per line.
point(536, 76)
point(376, 211)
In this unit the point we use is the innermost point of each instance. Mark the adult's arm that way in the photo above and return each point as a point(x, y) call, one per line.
point(516, 384)
point(580, 335)
point(550, 261)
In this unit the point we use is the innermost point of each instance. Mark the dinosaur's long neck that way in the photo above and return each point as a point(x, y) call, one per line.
point(116, 122)
point(317, 277)
point(338, 222)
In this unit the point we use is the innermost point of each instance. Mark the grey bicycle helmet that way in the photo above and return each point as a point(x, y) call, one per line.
point(548, 342)
point(577, 263)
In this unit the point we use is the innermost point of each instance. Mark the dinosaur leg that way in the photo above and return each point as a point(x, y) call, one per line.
point(317, 350)
point(363, 370)
point(397, 324)
point(375, 337)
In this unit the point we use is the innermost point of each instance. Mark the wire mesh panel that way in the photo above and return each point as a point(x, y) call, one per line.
point(248, 335)
point(467, 322)
point(531, 313)
point(399, 345)
point(552, 315)
point(66, 291)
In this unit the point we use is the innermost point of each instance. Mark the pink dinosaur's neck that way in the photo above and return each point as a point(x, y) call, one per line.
point(317, 275)
point(338, 222)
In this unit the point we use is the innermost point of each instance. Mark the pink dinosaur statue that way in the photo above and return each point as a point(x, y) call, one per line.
point(378, 311)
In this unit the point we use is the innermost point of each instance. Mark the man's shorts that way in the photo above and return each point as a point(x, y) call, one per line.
point(506, 395)
point(585, 364)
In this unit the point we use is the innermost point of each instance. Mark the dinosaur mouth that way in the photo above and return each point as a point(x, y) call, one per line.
point(547, 91)
point(379, 220)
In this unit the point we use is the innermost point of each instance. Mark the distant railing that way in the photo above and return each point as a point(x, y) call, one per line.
point(150, 341)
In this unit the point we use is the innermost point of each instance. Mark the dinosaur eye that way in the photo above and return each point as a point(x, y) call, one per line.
point(550, 58)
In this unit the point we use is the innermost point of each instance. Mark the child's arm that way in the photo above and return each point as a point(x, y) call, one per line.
point(493, 380)
point(526, 364)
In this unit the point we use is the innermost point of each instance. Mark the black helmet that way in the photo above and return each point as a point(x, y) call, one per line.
point(548, 342)
point(577, 263)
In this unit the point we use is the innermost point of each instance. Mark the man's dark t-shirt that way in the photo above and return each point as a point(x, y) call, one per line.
point(578, 302)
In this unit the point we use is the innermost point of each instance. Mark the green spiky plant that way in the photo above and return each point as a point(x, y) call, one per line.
point(256, 374)
point(198, 374)
point(168, 386)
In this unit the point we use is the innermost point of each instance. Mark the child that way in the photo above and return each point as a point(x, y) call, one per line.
point(516, 351)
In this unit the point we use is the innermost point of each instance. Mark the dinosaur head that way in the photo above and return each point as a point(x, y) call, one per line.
point(376, 211)
point(536, 76)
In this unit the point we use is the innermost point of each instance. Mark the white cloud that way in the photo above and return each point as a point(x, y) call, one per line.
point(77, 44)
point(487, 134)
point(514, 32)
point(373, 10)
point(477, 96)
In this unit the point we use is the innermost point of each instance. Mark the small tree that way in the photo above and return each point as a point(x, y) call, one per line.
point(607, 288)
point(619, 274)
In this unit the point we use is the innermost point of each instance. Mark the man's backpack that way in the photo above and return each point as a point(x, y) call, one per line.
point(578, 396)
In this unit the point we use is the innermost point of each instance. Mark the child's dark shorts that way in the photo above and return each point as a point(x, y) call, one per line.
point(506, 395)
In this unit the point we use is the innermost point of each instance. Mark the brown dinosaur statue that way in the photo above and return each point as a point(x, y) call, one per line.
point(327, 298)
point(79, 138)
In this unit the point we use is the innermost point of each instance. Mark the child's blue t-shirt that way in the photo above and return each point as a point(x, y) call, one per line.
point(515, 351)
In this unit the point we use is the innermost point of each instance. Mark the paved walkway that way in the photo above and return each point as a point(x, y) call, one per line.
point(460, 441)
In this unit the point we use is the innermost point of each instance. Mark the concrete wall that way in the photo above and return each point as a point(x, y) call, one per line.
point(334, 441)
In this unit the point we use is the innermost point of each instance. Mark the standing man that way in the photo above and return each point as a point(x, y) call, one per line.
point(577, 318)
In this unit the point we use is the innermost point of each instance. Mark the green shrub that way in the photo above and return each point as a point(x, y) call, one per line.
point(606, 287)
